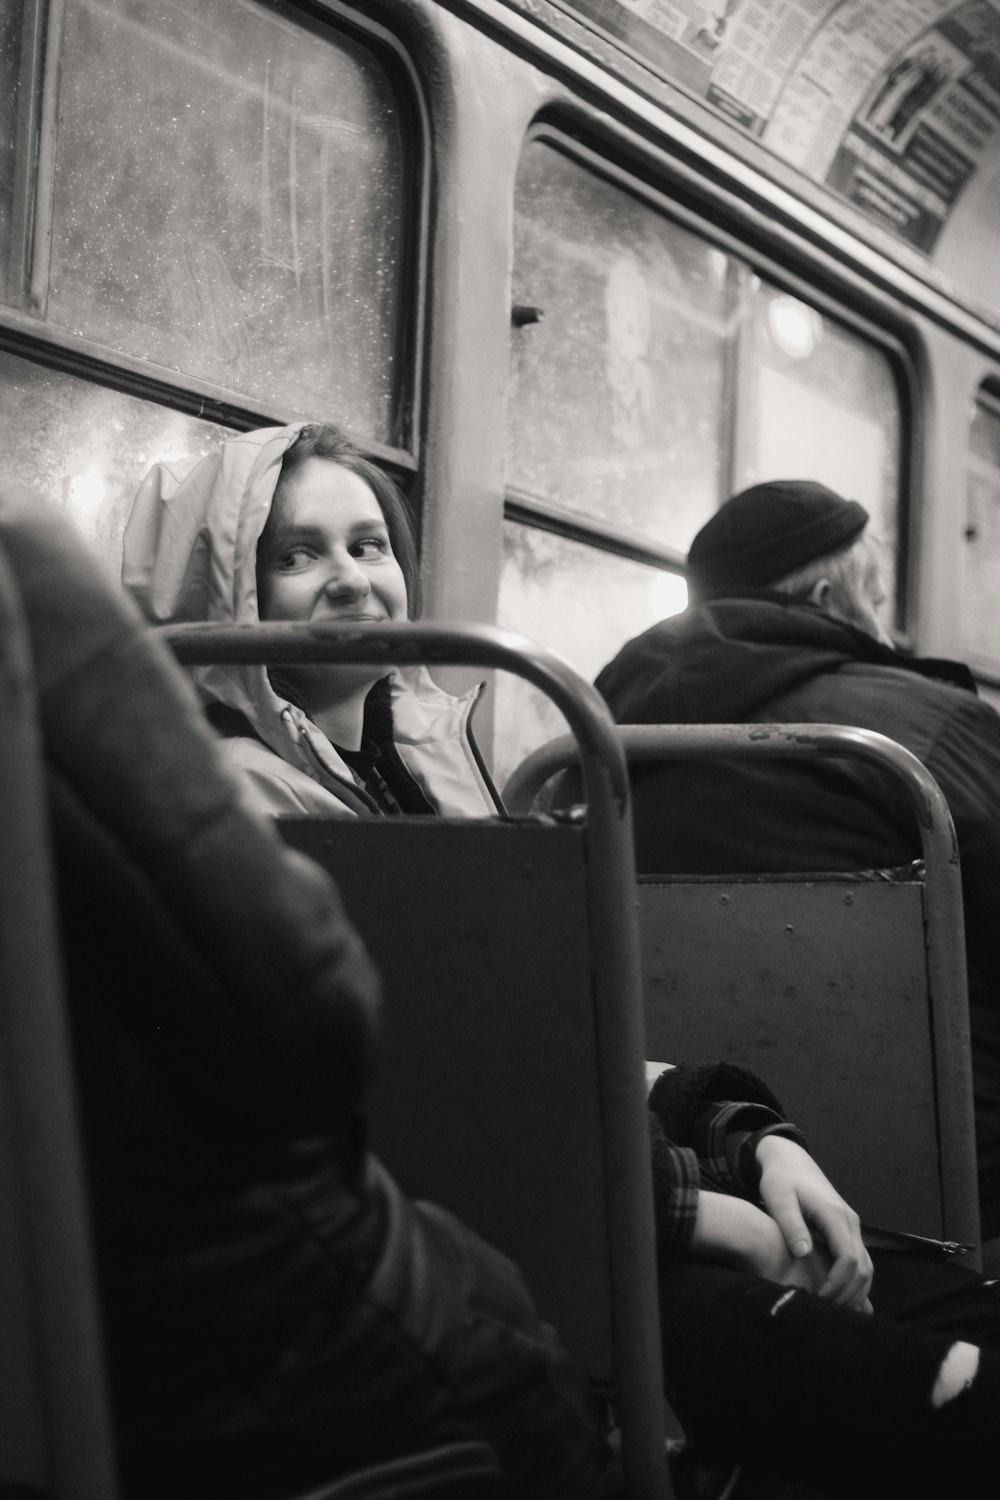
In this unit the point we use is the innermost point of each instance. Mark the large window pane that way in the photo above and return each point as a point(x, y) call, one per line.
point(819, 402)
point(979, 594)
point(228, 202)
point(85, 449)
point(580, 602)
point(617, 399)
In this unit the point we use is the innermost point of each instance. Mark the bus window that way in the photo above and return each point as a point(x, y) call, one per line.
point(557, 590)
point(225, 196)
point(618, 393)
point(979, 594)
point(85, 448)
point(652, 375)
point(817, 401)
point(617, 420)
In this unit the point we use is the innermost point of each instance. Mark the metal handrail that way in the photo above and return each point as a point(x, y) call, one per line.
point(60, 1437)
point(614, 951)
point(943, 908)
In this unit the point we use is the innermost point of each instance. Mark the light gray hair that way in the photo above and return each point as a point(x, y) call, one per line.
point(850, 567)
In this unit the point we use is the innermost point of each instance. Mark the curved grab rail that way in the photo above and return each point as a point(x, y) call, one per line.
point(652, 742)
point(944, 916)
point(614, 951)
point(388, 645)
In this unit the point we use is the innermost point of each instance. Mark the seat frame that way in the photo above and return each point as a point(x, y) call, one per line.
point(944, 945)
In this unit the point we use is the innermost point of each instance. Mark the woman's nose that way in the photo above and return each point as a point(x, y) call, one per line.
point(347, 579)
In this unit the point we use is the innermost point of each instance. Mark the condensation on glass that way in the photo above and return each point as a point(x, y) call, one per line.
point(85, 449)
point(979, 593)
point(577, 600)
point(617, 400)
point(228, 201)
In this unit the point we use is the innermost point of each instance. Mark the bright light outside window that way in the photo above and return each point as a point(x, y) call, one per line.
point(85, 449)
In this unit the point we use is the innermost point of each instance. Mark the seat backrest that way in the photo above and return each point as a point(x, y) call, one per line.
point(510, 1085)
point(486, 1096)
point(821, 987)
point(847, 993)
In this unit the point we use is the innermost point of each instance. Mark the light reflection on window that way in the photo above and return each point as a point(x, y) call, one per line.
point(85, 449)
point(820, 402)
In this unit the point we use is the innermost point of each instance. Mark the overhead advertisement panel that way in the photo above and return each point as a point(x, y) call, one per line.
point(892, 103)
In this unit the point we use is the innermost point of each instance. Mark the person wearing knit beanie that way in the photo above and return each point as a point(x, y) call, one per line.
point(796, 537)
point(784, 628)
point(770, 530)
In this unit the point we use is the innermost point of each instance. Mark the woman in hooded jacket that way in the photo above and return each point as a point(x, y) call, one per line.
point(295, 523)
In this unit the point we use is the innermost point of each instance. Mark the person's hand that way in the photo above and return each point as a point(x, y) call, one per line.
point(814, 1221)
point(737, 1233)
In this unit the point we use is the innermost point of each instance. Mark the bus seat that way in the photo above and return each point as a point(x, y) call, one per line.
point(510, 1085)
point(815, 981)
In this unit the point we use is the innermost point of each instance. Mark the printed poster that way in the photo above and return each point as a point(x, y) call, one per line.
point(892, 103)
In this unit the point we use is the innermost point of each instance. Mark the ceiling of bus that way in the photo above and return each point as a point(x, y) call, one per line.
point(892, 104)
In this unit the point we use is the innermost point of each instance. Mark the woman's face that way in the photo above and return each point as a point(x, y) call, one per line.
point(335, 561)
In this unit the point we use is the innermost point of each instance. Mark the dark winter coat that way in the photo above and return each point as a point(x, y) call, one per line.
point(763, 658)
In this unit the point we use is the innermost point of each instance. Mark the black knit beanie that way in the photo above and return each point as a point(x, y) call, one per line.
point(769, 530)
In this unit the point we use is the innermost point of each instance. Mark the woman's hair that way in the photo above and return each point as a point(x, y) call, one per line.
point(323, 440)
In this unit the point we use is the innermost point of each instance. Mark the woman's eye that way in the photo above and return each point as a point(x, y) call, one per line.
point(371, 546)
point(295, 557)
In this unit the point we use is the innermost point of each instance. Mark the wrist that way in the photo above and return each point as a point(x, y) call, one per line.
point(751, 1163)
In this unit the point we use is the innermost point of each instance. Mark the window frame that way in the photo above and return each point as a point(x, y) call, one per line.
point(985, 398)
point(25, 333)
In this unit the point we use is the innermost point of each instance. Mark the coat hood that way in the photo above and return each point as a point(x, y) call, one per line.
point(724, 661)
point(191, 554)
